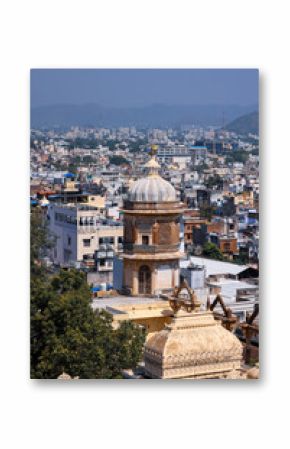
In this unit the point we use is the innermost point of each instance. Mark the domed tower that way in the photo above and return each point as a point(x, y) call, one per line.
point(151, 233)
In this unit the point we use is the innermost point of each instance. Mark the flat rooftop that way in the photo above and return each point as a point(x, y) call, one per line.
point(116, 301)
point(214, 267)
point(229, 289)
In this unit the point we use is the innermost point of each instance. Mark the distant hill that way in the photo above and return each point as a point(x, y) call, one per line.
point(245, 124)
point(158, 115)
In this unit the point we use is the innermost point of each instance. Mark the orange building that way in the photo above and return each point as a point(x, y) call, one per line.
point(228, 245)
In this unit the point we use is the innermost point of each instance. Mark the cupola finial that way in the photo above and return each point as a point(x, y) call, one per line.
point(153, 150)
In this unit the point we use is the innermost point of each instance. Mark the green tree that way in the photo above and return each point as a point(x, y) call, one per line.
point(118, 160)
point(206, 212)
point(211, 251)
point(237, 156)
point(214, 182)
point(40, 240)
point(66, 334)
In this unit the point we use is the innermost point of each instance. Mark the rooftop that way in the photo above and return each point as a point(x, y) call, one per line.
point(214, 266)
point(116, 301)
point(229, 288)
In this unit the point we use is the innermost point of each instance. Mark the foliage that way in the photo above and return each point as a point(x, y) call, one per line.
point(66, 334)
point(237, 156)
point(134, 147)
point(111, 143)
point(241, 259)
point(206, 212)
point(40, 241)
point(118, 160)
point(88, 159)
point(200, 168)
point(214, 182)
point(211, 251)
point(83, 142)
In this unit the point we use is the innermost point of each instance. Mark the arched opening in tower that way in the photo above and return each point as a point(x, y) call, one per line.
point(144, 280)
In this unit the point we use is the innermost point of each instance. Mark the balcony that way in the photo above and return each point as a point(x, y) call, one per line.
point(89, 263)
point(104, 254)
point(107, 267)
point(150, 249)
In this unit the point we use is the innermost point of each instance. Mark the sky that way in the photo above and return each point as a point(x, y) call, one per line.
point(143, 87)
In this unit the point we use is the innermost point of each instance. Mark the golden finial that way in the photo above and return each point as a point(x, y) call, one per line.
point(153, 150)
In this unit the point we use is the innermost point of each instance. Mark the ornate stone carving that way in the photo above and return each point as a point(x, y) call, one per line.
point(194, 345)
point(188, 303)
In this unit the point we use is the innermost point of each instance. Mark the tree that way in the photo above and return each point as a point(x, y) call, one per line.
point(214, 182)
point(206, 212)
point(40, 240)
point(118, 160)
point(237, 156)
point(66, 334)
point(211, 251)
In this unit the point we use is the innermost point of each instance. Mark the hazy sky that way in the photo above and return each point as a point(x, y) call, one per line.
point(140, 87)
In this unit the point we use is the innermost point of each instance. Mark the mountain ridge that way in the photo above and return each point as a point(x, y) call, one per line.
point(245, 124)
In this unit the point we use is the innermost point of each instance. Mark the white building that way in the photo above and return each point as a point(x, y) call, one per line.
point(83, 238)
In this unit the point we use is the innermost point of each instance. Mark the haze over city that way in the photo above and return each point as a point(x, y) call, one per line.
point(143, 87)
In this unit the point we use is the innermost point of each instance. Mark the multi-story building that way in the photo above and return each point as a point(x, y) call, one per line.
point(175, 154)
point(198, 153)
point(85, 239)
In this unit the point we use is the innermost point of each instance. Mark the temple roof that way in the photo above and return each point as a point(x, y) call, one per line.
point(193, 345)
point(153, 188)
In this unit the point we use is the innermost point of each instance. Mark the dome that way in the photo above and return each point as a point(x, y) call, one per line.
point(193, 345)
point(152, 189)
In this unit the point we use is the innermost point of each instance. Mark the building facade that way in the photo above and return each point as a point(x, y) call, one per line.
point(151, 234)
point(84, 239)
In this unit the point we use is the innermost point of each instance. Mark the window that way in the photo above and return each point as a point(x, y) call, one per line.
point(87, 242)
point(106, 240)
point(145, 240)
point(69, 241)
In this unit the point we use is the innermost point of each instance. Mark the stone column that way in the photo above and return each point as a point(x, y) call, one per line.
point(135, 282)
point(172, 275)
point(153, 278)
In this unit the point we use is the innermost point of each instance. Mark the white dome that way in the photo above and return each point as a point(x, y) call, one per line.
point(152, 189)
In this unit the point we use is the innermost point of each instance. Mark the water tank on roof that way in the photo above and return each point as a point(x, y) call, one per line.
point(197, 276)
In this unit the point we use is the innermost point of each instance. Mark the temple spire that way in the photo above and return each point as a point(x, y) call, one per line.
point(153, 151)
point(152, 165)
